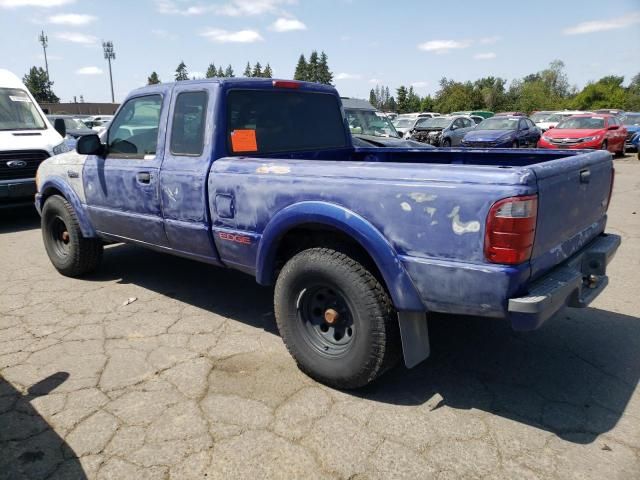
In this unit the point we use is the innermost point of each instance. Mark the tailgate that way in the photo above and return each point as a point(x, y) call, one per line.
point(572, 202)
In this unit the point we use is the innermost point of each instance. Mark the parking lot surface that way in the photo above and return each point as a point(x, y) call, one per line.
point(159, 367)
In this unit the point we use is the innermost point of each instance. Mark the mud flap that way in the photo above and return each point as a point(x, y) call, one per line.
point(415, 337)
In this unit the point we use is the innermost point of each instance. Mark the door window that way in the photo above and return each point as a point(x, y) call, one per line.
point(189, 121)
point(134, 131)
point(458, 123)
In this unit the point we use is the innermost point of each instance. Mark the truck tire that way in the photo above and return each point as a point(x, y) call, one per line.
point(71, 254)
point(336, 319)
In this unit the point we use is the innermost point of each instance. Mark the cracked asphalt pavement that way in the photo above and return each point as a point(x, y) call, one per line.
point(191, 380)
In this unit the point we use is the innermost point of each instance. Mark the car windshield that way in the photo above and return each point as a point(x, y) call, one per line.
point(370, 122)
point(17, 111)
point(581, 123)
point(631, 120)
point(499, 123)
point(543, 117)
point(403, 122)
point(435, 122)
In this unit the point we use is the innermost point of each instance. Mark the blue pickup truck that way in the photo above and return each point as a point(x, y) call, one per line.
point(362, 243)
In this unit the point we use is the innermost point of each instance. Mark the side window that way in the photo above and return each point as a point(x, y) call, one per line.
point(523, 125)
point(189, 122)
point(134, 132)
point(458, 123)
point(467, 123)
point(530, 124)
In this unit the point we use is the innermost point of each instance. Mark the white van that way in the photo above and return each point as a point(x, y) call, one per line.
point(26, 139)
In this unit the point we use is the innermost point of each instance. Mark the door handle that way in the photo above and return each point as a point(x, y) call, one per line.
point(585, 176)
point(144, 177)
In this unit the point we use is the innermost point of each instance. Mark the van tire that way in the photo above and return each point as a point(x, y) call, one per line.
point(310, 285)
point(71, 254)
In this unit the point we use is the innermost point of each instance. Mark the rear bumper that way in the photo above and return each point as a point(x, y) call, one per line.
point(15, 193)
point(575, 283)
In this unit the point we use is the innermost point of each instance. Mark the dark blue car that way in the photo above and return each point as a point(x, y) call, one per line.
point(631, 121)
point(503, 132)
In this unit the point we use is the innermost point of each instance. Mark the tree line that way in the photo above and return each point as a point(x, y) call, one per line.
point(548, 89)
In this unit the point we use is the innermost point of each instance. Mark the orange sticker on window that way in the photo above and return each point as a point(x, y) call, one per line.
point(244, 141)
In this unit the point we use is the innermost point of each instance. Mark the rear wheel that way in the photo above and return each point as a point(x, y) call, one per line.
point(71, 254)
point(336, 319)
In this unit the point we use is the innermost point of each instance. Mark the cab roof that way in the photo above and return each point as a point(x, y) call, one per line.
point(9, 80)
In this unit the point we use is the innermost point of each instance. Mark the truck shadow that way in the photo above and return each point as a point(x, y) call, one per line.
point(574, 377)
point(29, 447)
point(19, 219)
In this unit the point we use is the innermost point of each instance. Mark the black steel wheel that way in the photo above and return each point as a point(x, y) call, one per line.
point(335, 318)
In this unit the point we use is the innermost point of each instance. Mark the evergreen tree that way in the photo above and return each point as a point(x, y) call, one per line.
point(312, 67)
point(324, 74)
point(38, 83)
point(391, 105)
point(220, 72)
point(181, 72)
point(402, 99)
point(301, 69)
point(153, 79)
point(211, 71)
point(229, 72)
point(268, 73)
point(373, 100)
point(257, 70)
point(247, 70)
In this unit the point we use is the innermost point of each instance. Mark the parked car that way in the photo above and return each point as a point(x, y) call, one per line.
point(476, 119)
point(98, 122)
point(631, 122)
point(360, 243)
point(503, 131)
point(404, 123)
point(441, 131)
point(369, 127)
point(611, 111)
point(510, 114)
point(26, 139)
point(545, 120)
point(74, 128)
point(602, 131)
point(480, 113)
point(635, 141)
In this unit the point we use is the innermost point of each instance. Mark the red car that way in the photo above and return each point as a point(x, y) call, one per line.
point(604, 132)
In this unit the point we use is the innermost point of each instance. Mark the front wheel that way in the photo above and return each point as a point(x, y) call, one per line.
point(335, 319)
point(515, 144)
point(604, 146)
point(71, 254)
point(446, 143)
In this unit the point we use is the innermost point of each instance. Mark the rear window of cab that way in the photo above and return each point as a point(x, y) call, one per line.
point(276, 121)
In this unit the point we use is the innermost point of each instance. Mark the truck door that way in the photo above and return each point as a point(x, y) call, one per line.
point(185, 169)
point(122, 189)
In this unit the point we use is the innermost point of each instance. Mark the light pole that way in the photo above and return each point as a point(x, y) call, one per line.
point(109, 55)
point(44, 40)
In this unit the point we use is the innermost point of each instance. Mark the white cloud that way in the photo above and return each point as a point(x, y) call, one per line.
point(172, 7)
point(443, 46)
point(287, 25)
point(375, 80)
point(485, 56)
point(490, 40)
point(237, 8)
point(224, 36)
point(348, 76)
point(89, 71)
point(73, 19)
point(76, 37)
point(34, 3)
point(420, 84)
point(603, 25)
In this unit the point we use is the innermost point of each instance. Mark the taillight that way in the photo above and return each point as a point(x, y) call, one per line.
point(613, 177)
point(286, 84)
point(510, 230)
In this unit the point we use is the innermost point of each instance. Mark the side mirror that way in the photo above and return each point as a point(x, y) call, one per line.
point(614, 127)
point(89, 145)
point(60, 127)
point(400, 134)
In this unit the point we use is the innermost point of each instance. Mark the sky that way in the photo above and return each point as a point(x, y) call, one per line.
point(368, 43)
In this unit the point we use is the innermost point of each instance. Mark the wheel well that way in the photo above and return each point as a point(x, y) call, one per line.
point(317, 235)
point(50, 192)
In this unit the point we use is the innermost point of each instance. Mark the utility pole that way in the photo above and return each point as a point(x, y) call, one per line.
point(109, 55)
point(44, 40)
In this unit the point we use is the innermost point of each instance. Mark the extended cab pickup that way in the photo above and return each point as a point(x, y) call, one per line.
point(361, 243)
